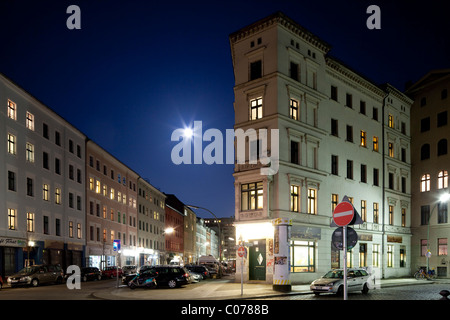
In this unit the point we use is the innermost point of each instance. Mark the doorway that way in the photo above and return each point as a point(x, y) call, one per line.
point(257, 260)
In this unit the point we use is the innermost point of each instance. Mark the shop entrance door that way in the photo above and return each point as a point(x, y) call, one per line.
point(257, 260)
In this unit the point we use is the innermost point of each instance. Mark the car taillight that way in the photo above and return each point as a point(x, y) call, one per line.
point(186, 275)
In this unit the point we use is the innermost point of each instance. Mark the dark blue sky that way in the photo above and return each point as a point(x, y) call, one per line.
point(137, 70)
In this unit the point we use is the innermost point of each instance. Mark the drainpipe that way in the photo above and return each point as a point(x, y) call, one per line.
point(383, 204)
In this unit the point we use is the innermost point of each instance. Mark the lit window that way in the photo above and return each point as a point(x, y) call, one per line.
point(312, 201)
point(11, 143)
point(12, 217)
point(57, 195)
point(91, 183)
point(425, 183)
point(303, 256)
point(375, 212)
point(97, 186)
point(30, 121)
point(71, 229)
point(30, 222)
point(252, 196)
point(363, 139)
point(79, 230)
point(295, 198)
point(293, 110)
point(391, 149)
point(390, 256)
point(45, 192)
point(111, 194)
point(375, 143)
point(391, 121)
point(443, 179)
point(256, 109)
point(30, 152)
point(334, 201)
point(12, 110)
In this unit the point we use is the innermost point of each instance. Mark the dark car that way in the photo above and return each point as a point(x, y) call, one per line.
point(172, 276)
point(199, 269)
point(166, 275)
point(90, 273)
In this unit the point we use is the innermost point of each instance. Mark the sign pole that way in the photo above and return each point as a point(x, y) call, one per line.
point(344, 241)
point(242, 275)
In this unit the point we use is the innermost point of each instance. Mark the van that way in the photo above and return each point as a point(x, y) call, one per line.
point(36, 275)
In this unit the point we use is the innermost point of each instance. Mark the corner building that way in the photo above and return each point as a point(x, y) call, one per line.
point(339, 134)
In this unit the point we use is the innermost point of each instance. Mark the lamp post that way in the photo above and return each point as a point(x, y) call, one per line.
point(443, 198)
point(220, 236)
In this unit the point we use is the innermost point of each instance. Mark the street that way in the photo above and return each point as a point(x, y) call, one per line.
point(212, 289)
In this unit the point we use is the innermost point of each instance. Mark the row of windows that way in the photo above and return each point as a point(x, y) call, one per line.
point(12, 186)
point(102, 237)
point(121, 217)
point(95, 185)
point(349, 170)
point(441, 149)
point(151, 244)
point(31, 224)
point(442, 181)
point(442, 247)
point(147, 195)
point(303, 256)
point(30, 157)
point(30, 124)
point(442, 213)
point(442, 120)
point(121, 180)
point(423, 100)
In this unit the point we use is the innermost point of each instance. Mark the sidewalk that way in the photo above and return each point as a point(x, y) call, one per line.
point(227, 289)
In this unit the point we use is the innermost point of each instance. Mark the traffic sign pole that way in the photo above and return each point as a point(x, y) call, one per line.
point(344, 241)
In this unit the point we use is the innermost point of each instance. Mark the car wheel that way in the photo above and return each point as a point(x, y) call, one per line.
point(172, 284)
point(34, 282)
point(132, 285)
point(340, 291)
point(365, 289)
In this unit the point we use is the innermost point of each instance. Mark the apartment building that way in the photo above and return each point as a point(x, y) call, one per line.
point(151, 220)
point(111, 209)
point(174, 229)
point(42, 193)
point(339, 135)
point(430, 166)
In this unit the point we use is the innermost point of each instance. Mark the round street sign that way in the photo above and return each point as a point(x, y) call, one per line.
point(343, 213)
point(241, 251)
point(337, 238)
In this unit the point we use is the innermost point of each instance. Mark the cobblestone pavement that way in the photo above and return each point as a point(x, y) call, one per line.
point(422, 292)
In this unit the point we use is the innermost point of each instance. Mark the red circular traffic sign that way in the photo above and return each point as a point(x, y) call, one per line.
point(343, 213)
point(241, 251)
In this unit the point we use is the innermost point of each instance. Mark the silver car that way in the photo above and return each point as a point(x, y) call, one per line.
point(333, 282)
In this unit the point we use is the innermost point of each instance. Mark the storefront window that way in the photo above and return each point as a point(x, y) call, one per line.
point(303, 256)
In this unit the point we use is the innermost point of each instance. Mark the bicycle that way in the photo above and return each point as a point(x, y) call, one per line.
point(421, 274)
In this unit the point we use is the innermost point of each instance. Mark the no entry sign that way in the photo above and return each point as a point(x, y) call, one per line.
point(343, 214)
point(241, 251)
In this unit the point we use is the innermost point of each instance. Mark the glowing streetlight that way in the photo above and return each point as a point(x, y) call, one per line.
point(169, 230)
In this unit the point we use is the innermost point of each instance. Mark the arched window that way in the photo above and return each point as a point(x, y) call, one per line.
point(425, 182)
point(425, 152)
point(443, 179)
point(442, 147)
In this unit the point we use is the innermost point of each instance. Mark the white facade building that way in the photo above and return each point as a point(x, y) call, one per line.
point(339, 134)
point(42, 190)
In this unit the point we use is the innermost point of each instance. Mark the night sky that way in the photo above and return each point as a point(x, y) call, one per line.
point(137, 70)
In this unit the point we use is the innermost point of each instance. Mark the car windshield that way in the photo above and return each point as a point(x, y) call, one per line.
point(334, 274)
point(28, 270)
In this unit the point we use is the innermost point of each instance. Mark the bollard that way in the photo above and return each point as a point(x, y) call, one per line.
point(444, 294)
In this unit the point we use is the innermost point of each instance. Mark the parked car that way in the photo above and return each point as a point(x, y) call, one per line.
point(128, 270)
point(199, 269)
point(333, 281)
point(194, 276)
point(165, 275)
point(36, 275)
point(90, 273)
point(111, 272)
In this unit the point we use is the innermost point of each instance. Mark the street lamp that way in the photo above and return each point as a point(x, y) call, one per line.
point(443, 198)
point(220, 236)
